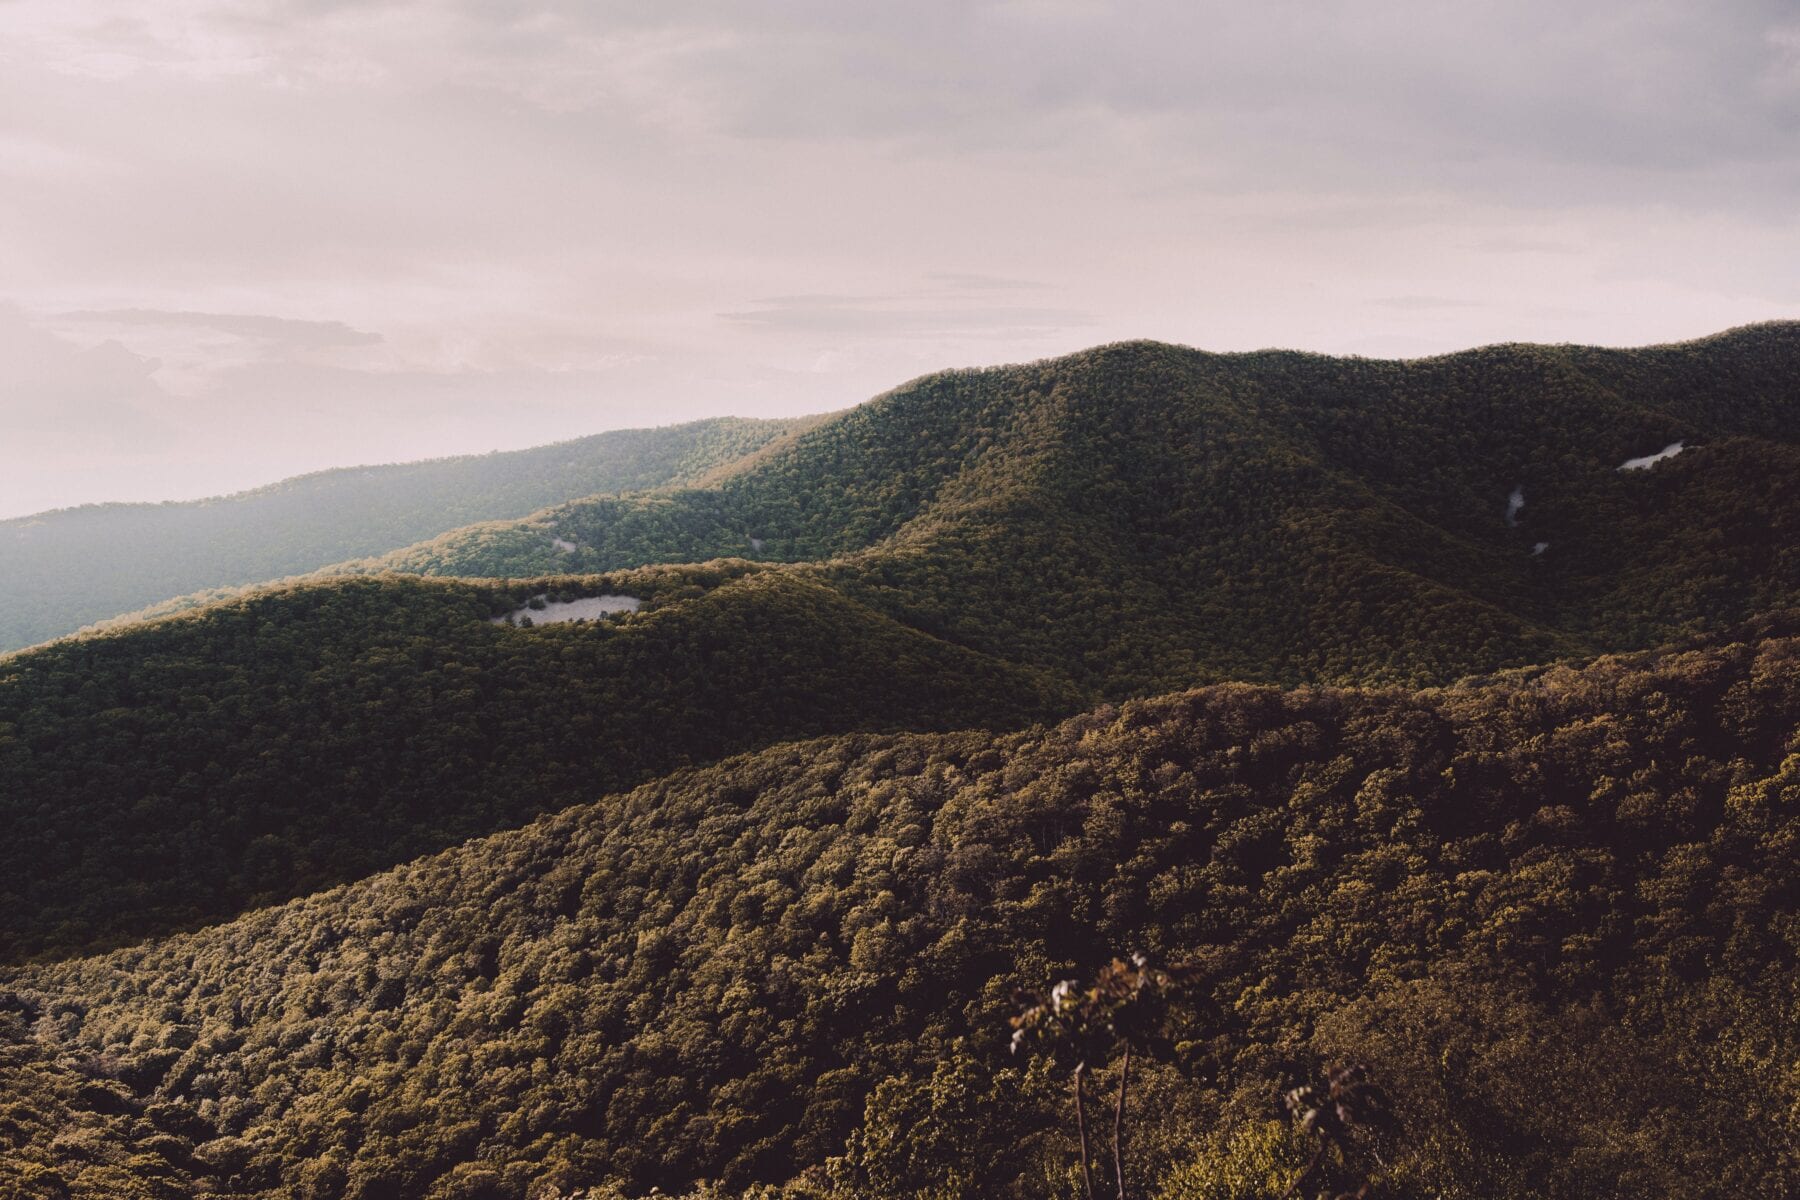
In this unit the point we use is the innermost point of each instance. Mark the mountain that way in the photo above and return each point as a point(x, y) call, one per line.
point(64, 569)
point(1142, 517)
point(1440, 716)
point(254, 751)
point(981, 548)
point(1551, 911)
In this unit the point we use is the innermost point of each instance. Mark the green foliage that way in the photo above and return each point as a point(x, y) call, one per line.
point(1144, 517)
point(938, 1138)
point(1257, 1161)
point(1125, 1009)
point(252, 752)
point(1551, 910)
point(1348, 1117)
point(65, 569)
point(1125, 1006)
point(70, 1135)
point(1031, 539)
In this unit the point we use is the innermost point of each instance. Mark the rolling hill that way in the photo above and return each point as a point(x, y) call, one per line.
point(1553, 911)
point(987, 548)
point(65, 569)
point(1439, 715)
point(1143, 517)
point(252, 752)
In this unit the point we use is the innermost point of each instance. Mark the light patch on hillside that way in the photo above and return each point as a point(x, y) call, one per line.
point(544, 611)
point(1650, 460)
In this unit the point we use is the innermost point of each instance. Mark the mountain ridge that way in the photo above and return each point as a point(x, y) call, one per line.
point(708, 523)
point(1030, 541)
point(1037, 631)
point(65, 568)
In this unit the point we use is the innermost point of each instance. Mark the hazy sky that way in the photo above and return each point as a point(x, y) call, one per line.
point(244, 239)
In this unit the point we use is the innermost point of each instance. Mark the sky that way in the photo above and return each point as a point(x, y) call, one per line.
point(241, 240)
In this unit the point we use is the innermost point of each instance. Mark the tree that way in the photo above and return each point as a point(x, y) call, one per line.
point(1347, 1102)
point(1126, 1007)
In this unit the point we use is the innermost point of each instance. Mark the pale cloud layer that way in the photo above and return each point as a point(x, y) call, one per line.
point(243, 239)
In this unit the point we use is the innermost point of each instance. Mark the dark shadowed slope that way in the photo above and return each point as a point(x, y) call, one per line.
point(174, 774)
point(1553, 911)
point(65, 569)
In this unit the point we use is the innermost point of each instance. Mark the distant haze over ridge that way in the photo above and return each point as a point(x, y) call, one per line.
point(62, 569)
point(248, 479)
point(247, 241)
point(1561, 421)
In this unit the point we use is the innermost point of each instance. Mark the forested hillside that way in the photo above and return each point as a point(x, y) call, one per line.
point(64, 569)
point(982, 549)
point(1544, 890)
point(255, 751)
point(1552, 911)
point(1143, 517)
point(67, 1131)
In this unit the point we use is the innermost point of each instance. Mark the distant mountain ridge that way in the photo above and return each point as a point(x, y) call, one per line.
point(63, 569)
point(1275, 515)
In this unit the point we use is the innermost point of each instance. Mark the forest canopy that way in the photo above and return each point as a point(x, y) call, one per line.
point(71, 567)
point(1553, 912)
point(1407, 744)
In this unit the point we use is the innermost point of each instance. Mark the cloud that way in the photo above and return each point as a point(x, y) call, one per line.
point(962, 282)
point(550, 216)
point(282, 330)
point(63, 407)
point(874, 316)
point(1424, 303)
point(190, 351)
point(1521, 244)
point(1486, 94)
point(47, 384)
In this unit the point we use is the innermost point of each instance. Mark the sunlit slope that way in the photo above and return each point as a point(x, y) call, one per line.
point(72, 1132)
point(65, 569)
point(1546, 909)
point(1144, 517)
point(181, 770)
